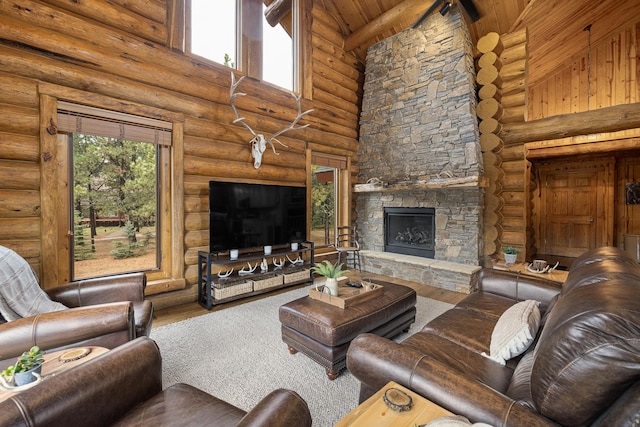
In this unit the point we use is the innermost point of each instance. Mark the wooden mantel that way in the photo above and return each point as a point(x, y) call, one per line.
point(429, 184)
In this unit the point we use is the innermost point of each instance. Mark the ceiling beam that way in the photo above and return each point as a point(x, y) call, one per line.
point(408, 10)
point(608, 119)
point(522, 16)
point(276, 11)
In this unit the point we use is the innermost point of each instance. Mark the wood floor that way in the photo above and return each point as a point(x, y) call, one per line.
point(181, 312)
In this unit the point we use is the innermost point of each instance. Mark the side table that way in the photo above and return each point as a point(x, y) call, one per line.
point(58, 362)
point(374, 412)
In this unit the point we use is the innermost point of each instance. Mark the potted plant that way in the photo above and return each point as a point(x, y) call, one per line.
point(331, 272)
point(510, 255)
point(28, 364)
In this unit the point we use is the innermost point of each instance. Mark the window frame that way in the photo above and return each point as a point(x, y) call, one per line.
point(249, 16)
point(343, 195)
point(56, 253)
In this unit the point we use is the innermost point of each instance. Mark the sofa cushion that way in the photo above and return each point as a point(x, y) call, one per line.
point(520, 385)
point(515, 331)
point(453, 323)
point(517, 286)
point(487, 304)
point(601, 271)
point(184, 405)
point(604, 253)
point(461, 359)
point(588, 353)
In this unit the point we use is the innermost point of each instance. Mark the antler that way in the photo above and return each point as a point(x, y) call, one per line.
point(232, 98)
point(291, 126)
point(259, 143)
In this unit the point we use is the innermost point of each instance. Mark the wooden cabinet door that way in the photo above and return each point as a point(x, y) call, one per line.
point(569, 212)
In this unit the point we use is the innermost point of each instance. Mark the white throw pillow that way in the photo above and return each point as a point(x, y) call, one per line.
point(515, 330)
point(453, 421)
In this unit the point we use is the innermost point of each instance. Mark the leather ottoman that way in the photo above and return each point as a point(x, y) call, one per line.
point(323, 332)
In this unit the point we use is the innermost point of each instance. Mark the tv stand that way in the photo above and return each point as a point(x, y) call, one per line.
point(217, 283)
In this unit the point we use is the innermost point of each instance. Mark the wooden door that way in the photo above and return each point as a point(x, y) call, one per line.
point(576, 200)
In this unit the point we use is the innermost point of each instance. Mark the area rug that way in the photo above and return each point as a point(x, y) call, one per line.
point(237, 355)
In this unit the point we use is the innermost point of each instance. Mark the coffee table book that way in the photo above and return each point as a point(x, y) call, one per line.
point(347, 296)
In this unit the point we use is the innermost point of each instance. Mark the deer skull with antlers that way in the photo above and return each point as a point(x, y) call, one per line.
point(259, 142)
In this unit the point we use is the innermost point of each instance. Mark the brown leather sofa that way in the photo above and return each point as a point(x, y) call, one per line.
point(105, 312)
point(123, 387)
point(583, 369)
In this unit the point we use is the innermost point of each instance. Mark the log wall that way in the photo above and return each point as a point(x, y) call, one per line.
point(598, 89)
point(606, 74)
point(501, 77)
point(118, 48)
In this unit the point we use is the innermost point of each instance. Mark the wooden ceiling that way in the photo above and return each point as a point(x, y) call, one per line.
point(556, 28)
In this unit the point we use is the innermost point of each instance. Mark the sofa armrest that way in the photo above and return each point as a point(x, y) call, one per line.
point(100, 290)
point(279, 408)
point(105, 325)
point(518, 286)
point(375, 361)
point(96, 393)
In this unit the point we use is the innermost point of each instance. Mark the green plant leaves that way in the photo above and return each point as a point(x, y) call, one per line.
point(329, 270)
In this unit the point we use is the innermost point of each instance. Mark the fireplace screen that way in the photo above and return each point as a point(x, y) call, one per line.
point(410, 231)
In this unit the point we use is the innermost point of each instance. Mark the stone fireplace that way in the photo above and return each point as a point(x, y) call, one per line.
point(410, 231)
point(419, 148)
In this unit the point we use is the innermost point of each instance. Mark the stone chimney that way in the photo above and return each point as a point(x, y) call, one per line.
point(419, 139)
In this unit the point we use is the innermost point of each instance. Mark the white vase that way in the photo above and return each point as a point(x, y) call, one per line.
point(510, 259)
point(332, 285)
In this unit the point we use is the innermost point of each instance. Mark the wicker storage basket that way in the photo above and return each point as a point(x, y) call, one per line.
point(229, 288)
point(297, 276)
point(267, 282)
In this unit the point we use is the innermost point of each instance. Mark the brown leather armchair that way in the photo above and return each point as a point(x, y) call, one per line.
point(105, 311)
point(104, 325)
point(123, 387)
point(109, 289)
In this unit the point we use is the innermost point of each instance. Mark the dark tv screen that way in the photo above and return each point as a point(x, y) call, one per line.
point(245, 216)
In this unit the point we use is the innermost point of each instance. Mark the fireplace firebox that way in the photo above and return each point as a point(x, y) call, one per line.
point(410, 231)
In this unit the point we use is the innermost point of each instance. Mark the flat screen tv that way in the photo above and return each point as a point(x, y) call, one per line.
point(245, 216)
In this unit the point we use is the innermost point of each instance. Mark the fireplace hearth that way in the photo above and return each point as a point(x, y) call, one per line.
point(410, 231)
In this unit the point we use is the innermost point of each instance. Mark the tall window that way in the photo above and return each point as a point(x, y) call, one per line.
point(236, 33)
point(277, 54)
point(214, 30)
point(114, 205)
point(113, 208)
point(328, 199)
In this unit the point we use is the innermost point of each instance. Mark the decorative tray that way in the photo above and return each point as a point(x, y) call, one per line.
point(347, 295)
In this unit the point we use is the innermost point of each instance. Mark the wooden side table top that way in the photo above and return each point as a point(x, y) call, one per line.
point(374, 412)
point(58, 362)
point(556, 275)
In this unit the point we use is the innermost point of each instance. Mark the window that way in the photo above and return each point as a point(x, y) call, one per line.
point(214, 30)
point(114, 205)
point(277, 54)
point(329, 200)
point(236, 33)
point(113, 202)
point(133, 122)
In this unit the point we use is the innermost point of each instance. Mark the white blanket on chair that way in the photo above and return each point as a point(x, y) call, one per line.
point(20, 293)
